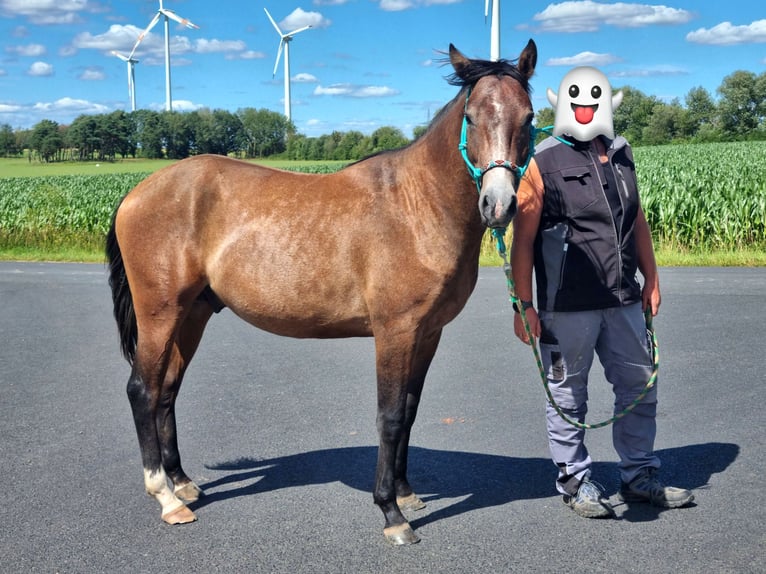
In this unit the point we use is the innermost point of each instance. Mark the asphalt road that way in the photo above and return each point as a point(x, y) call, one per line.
point(281, 435)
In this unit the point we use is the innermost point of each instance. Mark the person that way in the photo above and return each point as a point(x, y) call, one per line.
point(581, 232)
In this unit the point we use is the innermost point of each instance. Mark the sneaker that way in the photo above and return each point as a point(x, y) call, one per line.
point(589, 501)
point(646, 487)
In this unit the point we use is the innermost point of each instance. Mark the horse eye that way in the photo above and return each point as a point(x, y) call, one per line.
point(596, 92)
point(574, 91)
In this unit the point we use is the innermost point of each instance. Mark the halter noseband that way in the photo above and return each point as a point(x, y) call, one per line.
point(477, 173)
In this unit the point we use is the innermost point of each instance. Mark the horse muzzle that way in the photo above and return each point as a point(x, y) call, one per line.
point(497, 208)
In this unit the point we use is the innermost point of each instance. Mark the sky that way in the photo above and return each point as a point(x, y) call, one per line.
point(363, 64)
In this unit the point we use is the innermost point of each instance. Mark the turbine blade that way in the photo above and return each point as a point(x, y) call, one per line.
point(143, 34)
point(120, 56)
point(279, 55)
point(183, 21)
point(294, 32)
point(486, 10)
point(273, 23)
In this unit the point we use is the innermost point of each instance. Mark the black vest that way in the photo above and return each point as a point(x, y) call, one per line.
point(585, 260)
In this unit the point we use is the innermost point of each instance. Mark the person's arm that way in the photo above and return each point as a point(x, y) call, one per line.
point(525, 224)
point(650, 294)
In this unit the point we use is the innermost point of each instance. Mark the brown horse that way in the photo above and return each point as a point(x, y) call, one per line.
point(387, 247)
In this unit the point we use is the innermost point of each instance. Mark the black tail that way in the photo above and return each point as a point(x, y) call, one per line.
point(121, 296)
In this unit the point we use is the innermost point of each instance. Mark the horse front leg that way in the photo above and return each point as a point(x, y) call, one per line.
point(394, 361)
point(405, 497)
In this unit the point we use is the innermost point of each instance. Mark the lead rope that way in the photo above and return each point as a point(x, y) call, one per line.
point(498, 235)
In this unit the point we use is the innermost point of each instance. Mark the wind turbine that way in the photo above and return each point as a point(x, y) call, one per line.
point(131, 77)
point(284, 42)
point(494, 29)
point(168, 15)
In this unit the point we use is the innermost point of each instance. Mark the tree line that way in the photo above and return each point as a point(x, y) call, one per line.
point(738, 114)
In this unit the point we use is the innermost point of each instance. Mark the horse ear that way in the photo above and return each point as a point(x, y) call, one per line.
point(528, 59)
point(458, 60)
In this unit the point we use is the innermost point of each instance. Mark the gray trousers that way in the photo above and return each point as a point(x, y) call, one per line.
point(567, 344)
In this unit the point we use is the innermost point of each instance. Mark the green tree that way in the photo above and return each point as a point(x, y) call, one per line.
point(701, 111)
point(740, 104)
point(217, 131)
point(82, 137)
point(149, 133)
point(8, 143)
point(47, 140)
point(386, 138)
point(264, 132)
point(178, 135)
point(632, 115)
point(665, 124)
point(352, 146)
point(419, 131)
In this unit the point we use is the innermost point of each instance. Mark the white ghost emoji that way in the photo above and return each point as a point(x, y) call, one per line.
point(584, 105)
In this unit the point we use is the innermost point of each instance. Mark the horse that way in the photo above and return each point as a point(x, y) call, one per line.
point(386, 247)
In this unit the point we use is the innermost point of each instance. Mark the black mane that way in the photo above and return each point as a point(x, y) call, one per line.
point(477, 69)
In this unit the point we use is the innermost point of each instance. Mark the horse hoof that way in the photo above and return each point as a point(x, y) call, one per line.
point(410, 502)
point(180, 515)
point(189, 492)
point(401, 534)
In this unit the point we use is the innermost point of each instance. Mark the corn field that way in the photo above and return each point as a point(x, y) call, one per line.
point(710, 196)
point(696, 197)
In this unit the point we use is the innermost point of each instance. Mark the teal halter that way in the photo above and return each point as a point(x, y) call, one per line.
point(477, 173)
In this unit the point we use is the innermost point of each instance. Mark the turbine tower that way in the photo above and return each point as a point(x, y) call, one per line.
point(168, 15)
point(284, 42)
point(131, 77)
point(494, 29)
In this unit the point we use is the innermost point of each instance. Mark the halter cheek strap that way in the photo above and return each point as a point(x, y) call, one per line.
point(477, 173)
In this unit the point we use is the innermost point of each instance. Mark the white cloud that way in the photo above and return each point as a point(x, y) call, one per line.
point(399, 5)
point(650, 72)
point(151, 51)
point(584, 59)
point(93, 73)
point(185, 106)
point(727, 34)
point(374, 92)
point(30, 50)
point(299, 18)
point(9, 109)
point(334, 90)
point(40, 69)
point(396, 5)
point(352, 91)
point(304, 78)
point(70, 106)
point(45, 11)
point(246, 55)
point(589, 16)
point(118, 37)
point(203, 46)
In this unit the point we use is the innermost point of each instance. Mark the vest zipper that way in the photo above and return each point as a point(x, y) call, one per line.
point(618, 244)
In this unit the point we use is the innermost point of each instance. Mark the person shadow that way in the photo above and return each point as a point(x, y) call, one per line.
point(478, 480)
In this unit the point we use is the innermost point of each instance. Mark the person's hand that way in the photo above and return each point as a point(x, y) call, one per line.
point(650, 298)
point(534, 325)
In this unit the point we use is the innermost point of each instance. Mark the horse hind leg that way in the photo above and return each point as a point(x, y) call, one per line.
point(160, 360)
point(144, 393)
point(187, 342)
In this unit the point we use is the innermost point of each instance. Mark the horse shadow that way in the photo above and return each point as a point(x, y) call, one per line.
point(477, 480)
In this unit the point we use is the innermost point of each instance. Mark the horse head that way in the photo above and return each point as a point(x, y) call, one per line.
point(497, 128)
